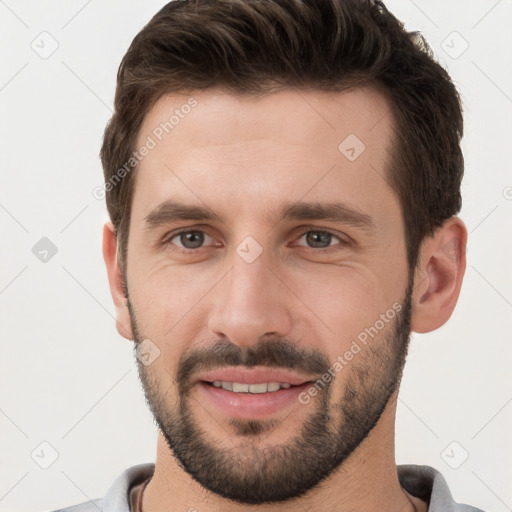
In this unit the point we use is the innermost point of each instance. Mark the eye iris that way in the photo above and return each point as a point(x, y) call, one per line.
point(318, 239)
point(192, 239)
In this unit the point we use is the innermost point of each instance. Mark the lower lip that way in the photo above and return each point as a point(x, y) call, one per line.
point(251, 405)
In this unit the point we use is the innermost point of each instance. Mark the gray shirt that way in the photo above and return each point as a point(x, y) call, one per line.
point(423, 482)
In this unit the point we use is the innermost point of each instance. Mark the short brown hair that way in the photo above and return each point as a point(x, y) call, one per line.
point(253, 47)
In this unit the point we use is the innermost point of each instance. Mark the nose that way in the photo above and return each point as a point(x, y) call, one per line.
point(249, 303)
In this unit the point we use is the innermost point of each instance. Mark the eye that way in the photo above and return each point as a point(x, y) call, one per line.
point(318, 239)
point(193, 239)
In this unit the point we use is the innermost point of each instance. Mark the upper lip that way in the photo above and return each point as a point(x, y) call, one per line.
point(252, 376)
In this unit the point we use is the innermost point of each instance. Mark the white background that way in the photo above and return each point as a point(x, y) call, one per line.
point(67, 377)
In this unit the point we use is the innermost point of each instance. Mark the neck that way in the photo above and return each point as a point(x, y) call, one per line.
point(366, 481)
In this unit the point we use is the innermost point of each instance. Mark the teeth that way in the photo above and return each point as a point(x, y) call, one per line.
point(240, 388)
point(273, 386)
point(237, 387)
point(258, 388)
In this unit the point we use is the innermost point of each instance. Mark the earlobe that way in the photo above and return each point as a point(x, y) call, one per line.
point(115, 280)
point(438, 276)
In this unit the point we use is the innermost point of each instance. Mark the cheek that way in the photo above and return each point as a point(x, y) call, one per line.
point(168, 290)
point(346, 301)
point(164, 300)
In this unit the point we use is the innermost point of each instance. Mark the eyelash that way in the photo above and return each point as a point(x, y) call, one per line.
point(168, 241)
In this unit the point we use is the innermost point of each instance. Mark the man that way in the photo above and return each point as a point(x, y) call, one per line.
point(283, 179)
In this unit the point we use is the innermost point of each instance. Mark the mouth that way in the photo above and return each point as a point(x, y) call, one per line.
point(251, 393)
point(239, 377)
point(240, 387)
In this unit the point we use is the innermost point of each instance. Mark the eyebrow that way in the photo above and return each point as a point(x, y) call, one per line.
point(171, 211)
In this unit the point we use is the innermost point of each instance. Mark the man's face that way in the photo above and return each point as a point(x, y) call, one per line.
point(263, 251)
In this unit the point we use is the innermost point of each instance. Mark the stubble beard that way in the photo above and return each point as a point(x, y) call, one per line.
point(246, 473)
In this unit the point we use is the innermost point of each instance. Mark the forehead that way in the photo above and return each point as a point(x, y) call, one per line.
point(263, 149)
point(355, 111)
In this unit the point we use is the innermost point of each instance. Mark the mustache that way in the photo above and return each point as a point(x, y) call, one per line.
point(270, 352)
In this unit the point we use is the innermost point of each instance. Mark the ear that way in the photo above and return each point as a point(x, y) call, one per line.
point(115, 280)
point(438, 276)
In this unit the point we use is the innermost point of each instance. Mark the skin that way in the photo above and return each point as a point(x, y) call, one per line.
point(244, 159)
